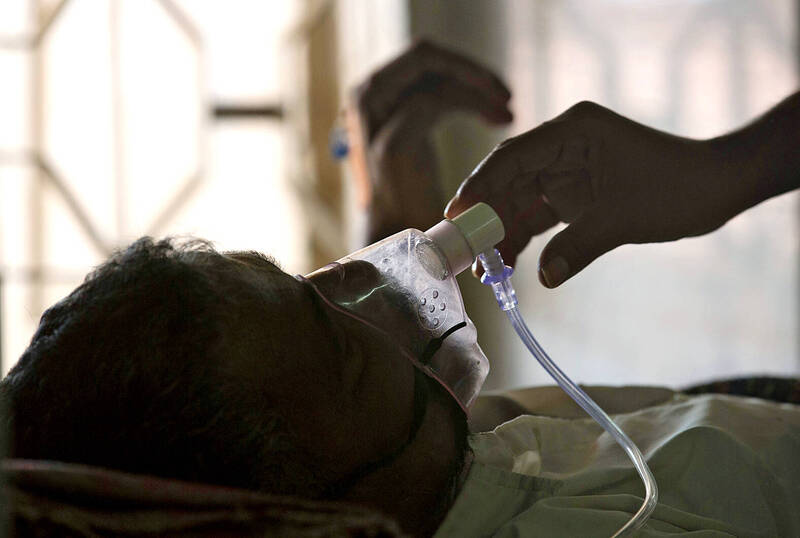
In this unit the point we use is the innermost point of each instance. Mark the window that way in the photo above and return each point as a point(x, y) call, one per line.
point(126, 118)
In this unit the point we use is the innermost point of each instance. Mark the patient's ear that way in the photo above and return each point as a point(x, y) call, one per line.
point(490, 411)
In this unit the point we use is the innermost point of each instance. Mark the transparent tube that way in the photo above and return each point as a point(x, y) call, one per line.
point(498, 276)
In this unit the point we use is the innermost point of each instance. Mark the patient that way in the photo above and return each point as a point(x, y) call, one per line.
point(175, 360)
point(182, 362)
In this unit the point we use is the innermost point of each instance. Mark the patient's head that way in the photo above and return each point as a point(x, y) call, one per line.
point(183, 362)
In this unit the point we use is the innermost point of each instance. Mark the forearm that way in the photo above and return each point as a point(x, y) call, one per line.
point(407, 195)
point(762, 159)
point(384, 218)
point(387, 215)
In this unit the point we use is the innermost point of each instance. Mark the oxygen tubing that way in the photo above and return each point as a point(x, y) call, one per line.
point(498, 276)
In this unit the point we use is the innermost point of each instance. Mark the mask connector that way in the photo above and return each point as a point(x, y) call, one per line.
point(498, 276)
point(462, 238)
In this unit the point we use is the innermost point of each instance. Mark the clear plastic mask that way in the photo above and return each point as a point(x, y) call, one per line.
point(404, 287)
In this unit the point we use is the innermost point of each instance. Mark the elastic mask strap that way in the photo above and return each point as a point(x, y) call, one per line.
point(336, 490)
point(434, 345)
point(418, 364)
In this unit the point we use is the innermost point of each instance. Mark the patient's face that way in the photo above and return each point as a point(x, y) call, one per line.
point(346, 387)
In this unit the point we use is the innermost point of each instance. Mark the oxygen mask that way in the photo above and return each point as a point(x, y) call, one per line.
point(405, 286)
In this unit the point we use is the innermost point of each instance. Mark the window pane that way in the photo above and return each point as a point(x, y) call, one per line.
point(127, 90)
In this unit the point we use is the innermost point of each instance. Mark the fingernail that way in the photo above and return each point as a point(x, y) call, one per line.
point(555, 271)
point(447, 208)
point(474, 268)
point(454, 207)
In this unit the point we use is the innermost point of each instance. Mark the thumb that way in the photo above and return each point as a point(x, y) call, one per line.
point(593, 234)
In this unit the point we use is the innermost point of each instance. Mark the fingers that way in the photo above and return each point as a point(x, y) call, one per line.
point(567, 183)
point(421, 67)
point(562, 145)
point(425, 57)
point(435, 97)
point(593, 234)
point(533, 181)
point(552, 173)
point(513, 166)
point(514, 192)
point(532, 221)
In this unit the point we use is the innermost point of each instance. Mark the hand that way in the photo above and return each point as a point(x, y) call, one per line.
point(390, 122)
point(613, 180)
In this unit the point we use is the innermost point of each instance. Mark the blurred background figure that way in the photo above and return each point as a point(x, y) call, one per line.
point(213, 118)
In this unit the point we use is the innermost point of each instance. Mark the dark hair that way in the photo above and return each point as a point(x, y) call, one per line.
point(128, 372)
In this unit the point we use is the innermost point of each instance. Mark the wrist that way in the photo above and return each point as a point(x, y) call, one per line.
point(390, 211)
point(738, 177)
point(405, 189)
point(762, 160)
